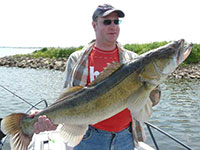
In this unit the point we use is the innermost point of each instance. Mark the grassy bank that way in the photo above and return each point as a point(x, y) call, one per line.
point(56, 53)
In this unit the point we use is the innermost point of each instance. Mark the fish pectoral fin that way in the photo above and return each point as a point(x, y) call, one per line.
point(73, 134)
point(137, 100)
point(144, 113)
point(110, 69)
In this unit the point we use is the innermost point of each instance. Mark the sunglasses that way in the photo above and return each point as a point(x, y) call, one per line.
point(108, 22)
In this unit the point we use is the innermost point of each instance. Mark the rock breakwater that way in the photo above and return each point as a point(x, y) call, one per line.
point(35, 63)
point(188, 72)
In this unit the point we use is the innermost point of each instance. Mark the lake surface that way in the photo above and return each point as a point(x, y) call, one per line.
point(178, 112)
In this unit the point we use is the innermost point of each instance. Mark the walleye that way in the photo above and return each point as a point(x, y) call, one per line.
point(118, 87)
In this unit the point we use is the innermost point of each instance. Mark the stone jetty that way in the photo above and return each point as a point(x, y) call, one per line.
point(35, 63)
point(190, 71)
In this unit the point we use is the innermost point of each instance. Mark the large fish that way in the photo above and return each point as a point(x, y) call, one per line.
point(118, 87)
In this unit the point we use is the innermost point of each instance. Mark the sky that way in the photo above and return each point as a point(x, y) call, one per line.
point(67, 23)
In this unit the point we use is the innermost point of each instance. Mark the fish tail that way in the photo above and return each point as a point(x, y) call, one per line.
point(11, 125)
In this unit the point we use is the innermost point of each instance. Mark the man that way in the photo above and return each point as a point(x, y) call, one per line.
point(119, 131)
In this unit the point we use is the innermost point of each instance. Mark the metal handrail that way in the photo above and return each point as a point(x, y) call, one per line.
point(34, 106)
point(166, 134)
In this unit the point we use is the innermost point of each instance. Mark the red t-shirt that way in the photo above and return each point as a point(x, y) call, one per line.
point(98, 60)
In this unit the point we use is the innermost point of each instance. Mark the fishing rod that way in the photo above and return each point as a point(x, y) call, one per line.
point(2, 135)
point(18, 96)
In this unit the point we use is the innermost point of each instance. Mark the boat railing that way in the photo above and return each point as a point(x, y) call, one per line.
point(149, 126)
point(35, 106)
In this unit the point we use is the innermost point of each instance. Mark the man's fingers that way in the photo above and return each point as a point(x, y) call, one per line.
point(33, 113)
point(44, 124)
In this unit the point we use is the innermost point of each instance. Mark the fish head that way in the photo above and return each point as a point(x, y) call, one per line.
point(171, 56)
point(163, 61)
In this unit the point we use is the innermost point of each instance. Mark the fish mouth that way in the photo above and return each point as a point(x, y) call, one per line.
point(187, 51)
point(183, 52)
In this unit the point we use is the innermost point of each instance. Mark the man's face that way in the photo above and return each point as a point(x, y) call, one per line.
point(106, 33)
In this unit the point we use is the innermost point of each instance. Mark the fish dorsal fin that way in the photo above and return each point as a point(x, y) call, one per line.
point(67, 92)
point(110, 69)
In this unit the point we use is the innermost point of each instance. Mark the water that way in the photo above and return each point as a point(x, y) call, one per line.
point(31, 84)
point(8, 51)
point(178, 112)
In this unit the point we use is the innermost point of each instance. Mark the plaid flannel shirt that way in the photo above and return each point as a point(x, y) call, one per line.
point(76, 73)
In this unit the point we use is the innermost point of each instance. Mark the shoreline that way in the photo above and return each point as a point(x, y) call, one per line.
point(182, 72)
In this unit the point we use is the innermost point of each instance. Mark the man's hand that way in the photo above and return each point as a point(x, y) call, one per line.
point(155, 95)
point(43, 124)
